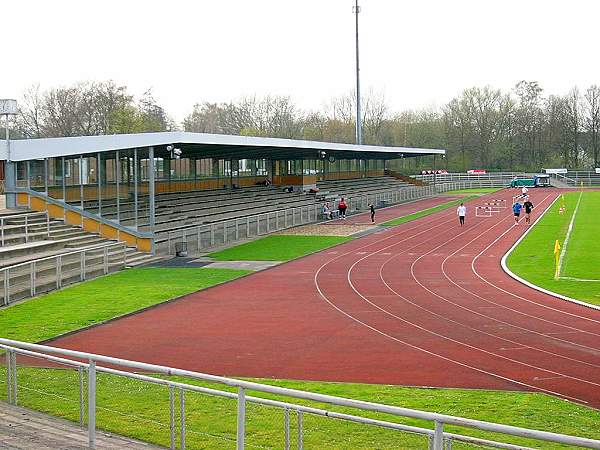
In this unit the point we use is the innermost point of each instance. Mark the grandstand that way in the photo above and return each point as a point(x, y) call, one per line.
point(140, 190)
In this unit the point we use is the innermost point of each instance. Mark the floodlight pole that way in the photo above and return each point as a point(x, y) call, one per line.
point(358, 112)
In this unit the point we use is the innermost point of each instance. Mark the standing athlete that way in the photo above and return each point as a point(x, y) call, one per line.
point(517, 211)
point(528, 208)
point(372, 207)
point(461, 212)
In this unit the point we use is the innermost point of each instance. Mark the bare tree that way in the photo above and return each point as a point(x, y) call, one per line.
point(592, 120)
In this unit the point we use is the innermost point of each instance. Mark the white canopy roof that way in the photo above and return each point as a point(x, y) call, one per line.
point(28, 149)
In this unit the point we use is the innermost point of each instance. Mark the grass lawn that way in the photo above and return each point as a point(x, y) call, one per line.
point(278, 248)
point(533, 259)
point(474, 191)
point(428, 211)
point(141, 410)
point(103, 298)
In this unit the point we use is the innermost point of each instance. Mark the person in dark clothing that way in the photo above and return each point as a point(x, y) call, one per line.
point(372, 208)
point(528, 208)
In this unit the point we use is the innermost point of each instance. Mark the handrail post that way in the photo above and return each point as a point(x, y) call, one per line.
point(58, 271)
point(81, 397)
point(286, 425)
point(92, 404)
point(241, 418)
point(14, 378)
point(182, 419)
point(32, 278)
point(300, 431)
point(105, 260)
point(438, 436)
point(8, 377)
point(172, 415)
point(47, 224)
point(26, 231)
point(7, 286)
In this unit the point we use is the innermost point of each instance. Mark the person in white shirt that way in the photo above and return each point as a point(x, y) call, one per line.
point(524, 191)
point(461, 211)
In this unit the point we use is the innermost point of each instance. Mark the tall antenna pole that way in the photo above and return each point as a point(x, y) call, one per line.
point(358, 113)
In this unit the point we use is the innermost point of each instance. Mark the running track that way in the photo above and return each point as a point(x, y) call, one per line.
point(424, 303)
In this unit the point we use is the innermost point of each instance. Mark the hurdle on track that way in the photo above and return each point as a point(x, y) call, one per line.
point(487, 211)
point(500, 203)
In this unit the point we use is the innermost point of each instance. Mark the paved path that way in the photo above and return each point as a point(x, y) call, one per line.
point(22, 429)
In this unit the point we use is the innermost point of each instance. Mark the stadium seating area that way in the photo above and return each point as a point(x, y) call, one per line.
point(29, 240)
point(359, 186)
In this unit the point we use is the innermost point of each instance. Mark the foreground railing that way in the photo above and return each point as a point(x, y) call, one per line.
point(35, 223)
point(34, 277)
point(87, 373)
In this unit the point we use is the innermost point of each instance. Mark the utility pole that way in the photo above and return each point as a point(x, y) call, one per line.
point(356, 10)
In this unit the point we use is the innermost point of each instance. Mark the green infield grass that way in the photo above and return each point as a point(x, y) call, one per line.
point(534, 260)
point(103, 298)
point(278, 248)
point(141, 410)
point(473, 191)
point(428, 211)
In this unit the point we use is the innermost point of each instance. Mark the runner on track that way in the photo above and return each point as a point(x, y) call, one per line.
point(517, 211)
point(461, 212)
point(528, 208)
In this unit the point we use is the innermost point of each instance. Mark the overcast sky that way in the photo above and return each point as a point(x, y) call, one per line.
point(416, 52)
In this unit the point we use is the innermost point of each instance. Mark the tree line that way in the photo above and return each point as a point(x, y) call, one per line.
point(482, 127)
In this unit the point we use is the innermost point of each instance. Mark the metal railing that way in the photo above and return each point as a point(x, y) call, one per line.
point(438, 439)
point(32, 278)
point(202, 237)
point(24, 226)
point(492, 179)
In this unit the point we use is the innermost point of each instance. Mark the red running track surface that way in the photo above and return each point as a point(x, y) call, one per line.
point(425, 303)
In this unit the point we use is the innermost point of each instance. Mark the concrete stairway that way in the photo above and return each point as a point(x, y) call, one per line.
point(33, 264)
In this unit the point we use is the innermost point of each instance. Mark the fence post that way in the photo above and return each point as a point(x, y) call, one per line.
point(105, 260)
point(224, 232)
point(58, 272)
point(212, 234)
point(247, 227)
point(7, 286)
point(241, 418)
point(9, 377)
point(300, 431)
point(47, 224)
point(81, 400)
point(172, 415)
point(83, 265)
point(286, 425)
point(26, 229)
point(198, 239)
point(2, 230)
point(32, 278)
point(237, 229)
point(14, 378)
point(182, 419)
point(92, 404)
point(438, 436)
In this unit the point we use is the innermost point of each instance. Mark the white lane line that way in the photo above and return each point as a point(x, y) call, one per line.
point(531, 285)
point(563, 251)
point(460, 286)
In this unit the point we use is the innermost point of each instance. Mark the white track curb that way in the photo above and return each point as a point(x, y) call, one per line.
point(531, 285)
